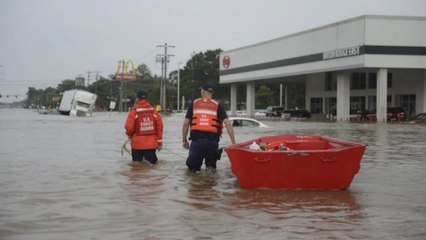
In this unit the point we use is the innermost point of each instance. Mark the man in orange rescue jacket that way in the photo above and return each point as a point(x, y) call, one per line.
point(144, 126)
point(205, 117)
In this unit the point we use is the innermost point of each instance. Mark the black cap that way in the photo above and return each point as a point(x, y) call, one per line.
point(142, 94)
point(208, 87)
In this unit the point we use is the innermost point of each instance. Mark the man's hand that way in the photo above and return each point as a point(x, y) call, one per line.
point(185, 144)
point(159, 145)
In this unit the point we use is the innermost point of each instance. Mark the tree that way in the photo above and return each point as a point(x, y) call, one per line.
point(264, 97)
point(65, 85)
point(143, 72)
point(31, 97)
point(200, 68)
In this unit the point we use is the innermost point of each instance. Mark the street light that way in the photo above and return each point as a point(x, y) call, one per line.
point(192, 80)
point(178, 85)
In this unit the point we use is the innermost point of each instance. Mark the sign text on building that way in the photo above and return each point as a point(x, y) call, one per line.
point(340, 53)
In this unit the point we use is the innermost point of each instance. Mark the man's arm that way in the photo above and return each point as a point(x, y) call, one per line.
point(230, 130)
point(185, 129)
point(130, 124)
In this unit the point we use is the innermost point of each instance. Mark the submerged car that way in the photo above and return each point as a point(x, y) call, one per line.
point(419, 118)
point(274, 111)
point(298, 113)
point(246, 122)
point(392, 114)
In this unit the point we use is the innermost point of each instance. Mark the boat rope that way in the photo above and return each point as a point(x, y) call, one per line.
point(174, 153)
point(124, 148)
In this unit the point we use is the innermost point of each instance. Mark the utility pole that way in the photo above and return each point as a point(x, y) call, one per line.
point(120, 108)
point(178, 86)
point(88, 78)
point(160, 59)
point(192, 80)
point(163, 85)
point(96, 82)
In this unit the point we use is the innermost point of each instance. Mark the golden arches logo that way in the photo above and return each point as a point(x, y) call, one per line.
point(123, 73)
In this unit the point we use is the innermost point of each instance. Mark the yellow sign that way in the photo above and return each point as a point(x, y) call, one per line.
point(125, 74)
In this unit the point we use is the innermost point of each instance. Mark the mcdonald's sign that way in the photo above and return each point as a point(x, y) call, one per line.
point(123, 73)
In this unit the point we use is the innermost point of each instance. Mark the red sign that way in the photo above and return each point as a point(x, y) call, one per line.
point(226, 62)
point(125, 77)
point(79, 81)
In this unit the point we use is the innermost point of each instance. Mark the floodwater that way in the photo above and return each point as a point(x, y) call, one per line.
point(64, 177)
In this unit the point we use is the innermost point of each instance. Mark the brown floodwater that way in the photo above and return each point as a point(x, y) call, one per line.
point(64, 177)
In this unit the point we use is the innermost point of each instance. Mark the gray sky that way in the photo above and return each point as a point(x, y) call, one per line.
point(46, 41)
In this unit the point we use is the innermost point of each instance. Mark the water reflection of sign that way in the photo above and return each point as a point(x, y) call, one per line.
point(79, 81)
point(123, 73)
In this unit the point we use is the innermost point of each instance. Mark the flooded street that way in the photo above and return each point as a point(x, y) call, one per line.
point(64, 177)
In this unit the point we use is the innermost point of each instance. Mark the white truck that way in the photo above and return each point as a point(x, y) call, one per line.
point(77, 103)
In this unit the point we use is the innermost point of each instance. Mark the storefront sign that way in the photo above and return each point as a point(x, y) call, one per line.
point(340, 53)
point(226, 62)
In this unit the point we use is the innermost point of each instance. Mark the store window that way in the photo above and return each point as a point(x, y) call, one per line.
point(316, 105)
point(357, 104)
point(330, 105)
point(408, 102)
point(330, 82)
point(358, 80)
point(372, 104)
point(372, 80)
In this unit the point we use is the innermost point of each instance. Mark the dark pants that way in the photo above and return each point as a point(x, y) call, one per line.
point(149, 154)
point(199, 150)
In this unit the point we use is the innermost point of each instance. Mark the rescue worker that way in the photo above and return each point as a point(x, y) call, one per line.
point(144, 126)
point(205, 117)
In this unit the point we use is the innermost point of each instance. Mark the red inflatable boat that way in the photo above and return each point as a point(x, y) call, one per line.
point(296, 162)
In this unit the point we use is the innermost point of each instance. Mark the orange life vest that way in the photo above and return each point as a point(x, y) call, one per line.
point(204, 116)
point(145, 121)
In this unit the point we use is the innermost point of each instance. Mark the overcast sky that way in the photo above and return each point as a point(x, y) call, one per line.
point(43, 42)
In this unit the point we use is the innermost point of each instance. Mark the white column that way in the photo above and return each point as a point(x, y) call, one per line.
point(250, 99)
point(286, 99)
point(233, 99)
point(423, 108)
point(381, 95)
point(343, 96)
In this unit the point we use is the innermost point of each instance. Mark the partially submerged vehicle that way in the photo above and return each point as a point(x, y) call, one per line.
point(296, 162)
point(77, 103)
point(246, 122)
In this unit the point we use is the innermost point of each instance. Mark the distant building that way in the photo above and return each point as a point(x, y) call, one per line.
point(368, 62)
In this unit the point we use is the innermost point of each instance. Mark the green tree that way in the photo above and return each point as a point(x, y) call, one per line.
point(66, 85)
point(200, 68)
point(31, 98)
point(264, 97)
point(143, 72)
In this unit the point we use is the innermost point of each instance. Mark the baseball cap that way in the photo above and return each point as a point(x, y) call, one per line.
point(208, 87)
point(142, 94)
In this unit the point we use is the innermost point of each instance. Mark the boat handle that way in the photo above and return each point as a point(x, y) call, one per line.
point(297, 153)
point(327, 159)
point(262, 160)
